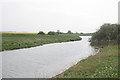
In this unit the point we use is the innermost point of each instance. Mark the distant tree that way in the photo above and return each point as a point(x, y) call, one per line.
point(51, 33)
point(76, 32)
point(81, 33)
point(58, 32)
point(69, 32)
point(41, 33)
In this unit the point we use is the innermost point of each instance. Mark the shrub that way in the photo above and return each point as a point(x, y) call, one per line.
point(69, 32)
point(106, 32)
point(58, 32)
point(41, 33)
point(51, 33)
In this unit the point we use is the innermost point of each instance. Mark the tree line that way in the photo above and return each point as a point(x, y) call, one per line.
point(68, 32)
point(53, 33)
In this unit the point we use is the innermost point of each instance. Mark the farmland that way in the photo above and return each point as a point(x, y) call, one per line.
point(11, 41)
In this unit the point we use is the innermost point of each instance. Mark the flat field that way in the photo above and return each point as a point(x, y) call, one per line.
point(12, 41)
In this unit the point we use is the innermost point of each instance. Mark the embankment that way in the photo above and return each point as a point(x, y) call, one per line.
point(102, 65)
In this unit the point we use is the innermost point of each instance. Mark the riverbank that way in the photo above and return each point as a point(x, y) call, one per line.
point(102, 65)
point(11, 41)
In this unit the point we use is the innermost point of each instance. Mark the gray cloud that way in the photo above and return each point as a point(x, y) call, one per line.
point(46, 15)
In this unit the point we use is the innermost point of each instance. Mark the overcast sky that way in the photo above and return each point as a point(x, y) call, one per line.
point(52, 15)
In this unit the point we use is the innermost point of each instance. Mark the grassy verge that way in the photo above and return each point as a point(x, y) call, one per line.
point(87, 34)
point(102, 65)
point(12, 41)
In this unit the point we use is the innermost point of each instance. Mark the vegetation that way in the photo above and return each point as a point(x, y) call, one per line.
point(86, 34)
point(58, 32)
point(51, 33)
point(102, 65)
point(105, 63)
point(69, 32)
point(12, 41)
point(41, 33)
point(107, 33)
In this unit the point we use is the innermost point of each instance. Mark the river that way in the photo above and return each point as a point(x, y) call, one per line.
point(45, 61)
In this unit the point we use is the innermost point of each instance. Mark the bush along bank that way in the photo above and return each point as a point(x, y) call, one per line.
point(108, 34)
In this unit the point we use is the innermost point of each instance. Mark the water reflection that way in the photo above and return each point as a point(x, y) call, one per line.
point(45, 61)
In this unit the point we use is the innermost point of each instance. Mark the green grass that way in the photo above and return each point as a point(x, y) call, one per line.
point(12, 41)
point(86, 34)
point(102, 65)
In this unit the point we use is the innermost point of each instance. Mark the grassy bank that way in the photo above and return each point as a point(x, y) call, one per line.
point(86, 34)
point(12, 41)
point(102, 65)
